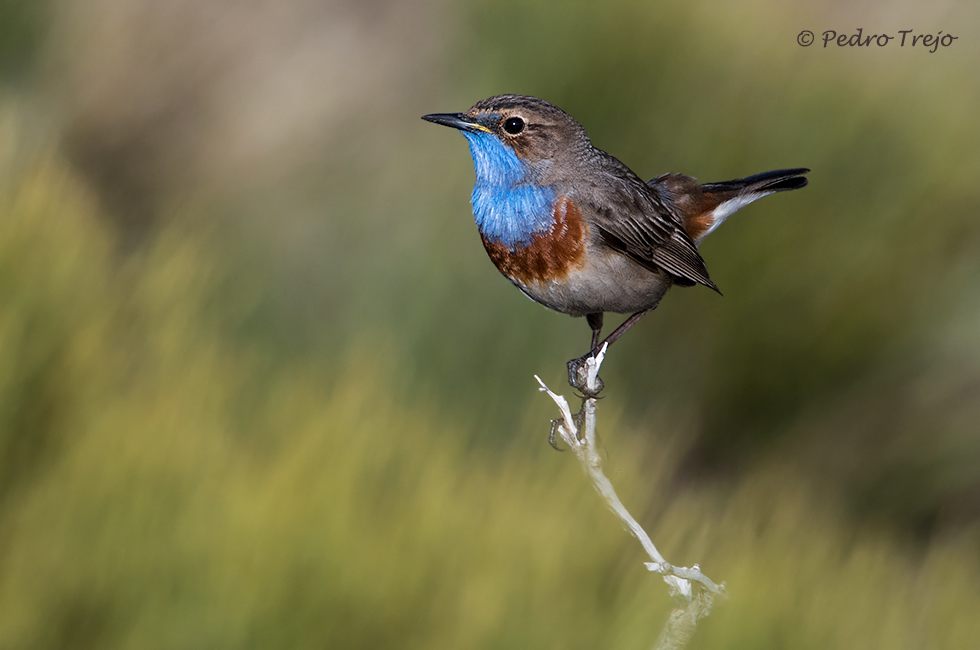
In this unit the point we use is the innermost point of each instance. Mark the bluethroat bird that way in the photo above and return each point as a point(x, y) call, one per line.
point(575, 229)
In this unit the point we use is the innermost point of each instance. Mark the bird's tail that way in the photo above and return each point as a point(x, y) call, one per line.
point(761, 184)
point(705, 207)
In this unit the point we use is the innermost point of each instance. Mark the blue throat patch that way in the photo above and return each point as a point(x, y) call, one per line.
point(508, 206)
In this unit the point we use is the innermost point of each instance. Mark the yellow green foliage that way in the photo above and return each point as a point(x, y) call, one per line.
point(162, 488)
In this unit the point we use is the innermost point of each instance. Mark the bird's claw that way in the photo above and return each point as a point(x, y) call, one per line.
point(553, 437)
point(578, 377)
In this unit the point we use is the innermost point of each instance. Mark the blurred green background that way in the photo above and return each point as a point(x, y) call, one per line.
point(261, 388)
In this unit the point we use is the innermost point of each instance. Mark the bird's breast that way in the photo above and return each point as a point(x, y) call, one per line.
point(550, 254)
point(562, 268)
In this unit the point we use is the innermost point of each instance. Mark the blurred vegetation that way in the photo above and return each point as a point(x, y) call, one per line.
point(261, 388)
point(21, 37)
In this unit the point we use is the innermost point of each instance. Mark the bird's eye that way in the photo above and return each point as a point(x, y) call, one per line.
point(513, 125)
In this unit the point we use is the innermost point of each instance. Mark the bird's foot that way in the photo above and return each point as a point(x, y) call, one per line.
point(578, 374)
point(578, 419)
point(553, 437)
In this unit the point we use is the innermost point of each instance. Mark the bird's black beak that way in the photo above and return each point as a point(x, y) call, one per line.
point(456, 120)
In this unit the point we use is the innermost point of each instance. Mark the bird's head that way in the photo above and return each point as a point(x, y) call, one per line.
point(517, 137)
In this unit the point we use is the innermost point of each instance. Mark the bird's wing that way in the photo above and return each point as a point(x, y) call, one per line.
point(634, 220)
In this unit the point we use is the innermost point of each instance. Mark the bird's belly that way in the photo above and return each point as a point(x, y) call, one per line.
point(607, 281)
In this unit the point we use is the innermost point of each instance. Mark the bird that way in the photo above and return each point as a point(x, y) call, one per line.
point(578, 231)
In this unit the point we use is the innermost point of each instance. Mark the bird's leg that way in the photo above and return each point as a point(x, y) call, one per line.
point(619, 331)
point(595, 322)
point(576, 367)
